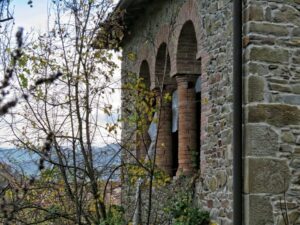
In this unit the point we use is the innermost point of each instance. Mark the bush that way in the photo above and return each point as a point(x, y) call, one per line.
point(184, 213)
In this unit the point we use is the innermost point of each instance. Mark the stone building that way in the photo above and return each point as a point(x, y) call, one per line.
point(237, 95)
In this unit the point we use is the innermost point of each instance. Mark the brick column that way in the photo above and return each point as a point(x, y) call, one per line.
point(164, 156)
point(187, 128)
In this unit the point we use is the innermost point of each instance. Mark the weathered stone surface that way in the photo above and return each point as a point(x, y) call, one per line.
point(258, 210)
point(256, 87)
point(295, 163)
point(287, 14)
point(296, 89)
point(268, 29)
point(213, 184)
point(260, 140)
point(221, 178)
point(294, 218)
point(276, 80)
point(265, 175)
point(274, 114)
point(288, 137)
point(268, 54)
point(286, 148)
point(290, 99)
point(254, 12)
point(296, 32)
point(298, 140)
point(256, 68)
point(297, 150)
point(280, 87)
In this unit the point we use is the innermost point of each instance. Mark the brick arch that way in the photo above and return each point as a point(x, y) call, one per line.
point(164, 36)
point(144, 73)
point(148, 55)
point(163, 59)
point(188, 14)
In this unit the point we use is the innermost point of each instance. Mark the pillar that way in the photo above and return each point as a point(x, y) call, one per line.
point(164, 155)
point(187, 127)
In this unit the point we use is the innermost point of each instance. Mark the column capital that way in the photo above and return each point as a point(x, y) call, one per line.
point(186, 79)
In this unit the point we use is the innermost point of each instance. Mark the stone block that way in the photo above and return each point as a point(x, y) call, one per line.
point(265, 175)
point(274, 114)
point(268, 29)
point(296, 32)
point(280, 87)
point(296, 89)
point(295, 163)
point(288, 137)
point(221, 178)
point(289, 99)
point(287, 14)
point(269, 54)
point(260, 140)
point(286, 148)
point(254, 12)
point(258, 210)
point(294, 218)
point(255, 88)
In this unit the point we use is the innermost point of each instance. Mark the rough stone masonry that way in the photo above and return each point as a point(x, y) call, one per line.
point(197, 37)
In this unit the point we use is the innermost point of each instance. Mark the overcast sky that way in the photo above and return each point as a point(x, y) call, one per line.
point(34, 19)
point(31, 18)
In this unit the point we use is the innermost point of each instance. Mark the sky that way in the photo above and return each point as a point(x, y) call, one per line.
point(31, 17)
point(36, 19)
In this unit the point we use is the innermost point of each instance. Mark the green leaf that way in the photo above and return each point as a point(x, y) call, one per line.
point(24, 80)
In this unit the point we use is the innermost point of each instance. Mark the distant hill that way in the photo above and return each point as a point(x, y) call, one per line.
point(27, 162)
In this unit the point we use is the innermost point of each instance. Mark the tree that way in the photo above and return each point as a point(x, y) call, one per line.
point(68, 83)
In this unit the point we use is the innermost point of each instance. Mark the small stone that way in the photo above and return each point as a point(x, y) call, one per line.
point(256, 87)
point(298, 140)
point(290, 99)
point(288, 137)
point(288, 205)
point(295, 163)
point(221, 178)
point(273, 67)
point(286, 148)
point(287, 14)
point(254, 13)
point(297, 150)
point(294, 218)
point(296, 32)
point(277, 81)
point(212, 184)
point(296, 89)
point(268, 14)
point(280, 87)
point(214, 213)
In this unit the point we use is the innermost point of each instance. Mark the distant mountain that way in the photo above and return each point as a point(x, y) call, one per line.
point(105, 158)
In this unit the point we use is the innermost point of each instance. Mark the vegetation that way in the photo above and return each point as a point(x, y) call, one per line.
point(63, 83)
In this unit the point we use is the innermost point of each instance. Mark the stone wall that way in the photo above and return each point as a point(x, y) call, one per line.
point(162, 22)
point(272, 111)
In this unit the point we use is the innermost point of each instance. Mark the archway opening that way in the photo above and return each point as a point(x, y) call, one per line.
point(189, 100)
point(163, 67)
point(143, 138)
point(187, 50)
point(165, 85)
